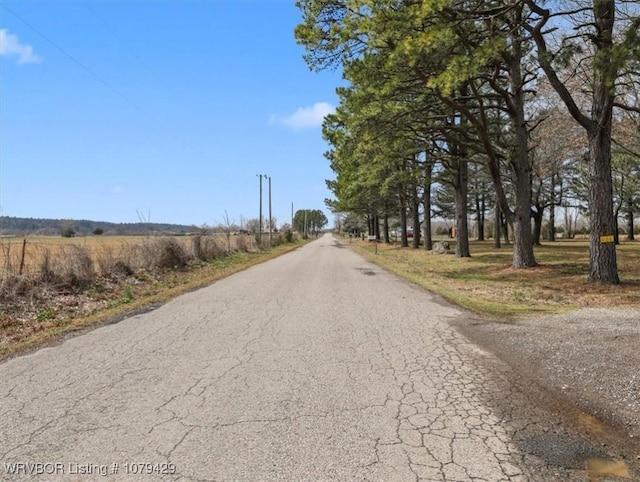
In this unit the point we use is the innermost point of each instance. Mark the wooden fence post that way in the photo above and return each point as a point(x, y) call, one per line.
point(24, 249)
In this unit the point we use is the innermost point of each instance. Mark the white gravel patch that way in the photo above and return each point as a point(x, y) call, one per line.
point(591, 354)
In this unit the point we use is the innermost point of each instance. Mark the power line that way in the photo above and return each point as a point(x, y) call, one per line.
point(72, 58)
point(115, 35)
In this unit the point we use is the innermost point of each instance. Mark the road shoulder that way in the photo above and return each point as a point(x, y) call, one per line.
point(588, 357)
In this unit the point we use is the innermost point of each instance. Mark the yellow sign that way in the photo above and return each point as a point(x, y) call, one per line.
point(606, 239)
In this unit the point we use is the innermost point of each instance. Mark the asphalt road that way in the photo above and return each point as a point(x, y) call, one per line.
point(313, 366)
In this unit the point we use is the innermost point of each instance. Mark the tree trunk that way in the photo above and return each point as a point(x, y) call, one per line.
point(462, 225)
point(480, 210)
point(505, 229)
point(603, 266)
point(551, 236)
point(602, 256)
point(497, 227)
point(630, 220)
point(616, 213)
point(523, 256)
point(404, 240)
point(415, 218)
point(461, 188)
point(385, 226)
point(537, 223)
point(616, 226)
point(426, 201)
point(415, 212)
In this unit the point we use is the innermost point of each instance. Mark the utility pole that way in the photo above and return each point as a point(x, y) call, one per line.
point(260, 220)
point(270, 218)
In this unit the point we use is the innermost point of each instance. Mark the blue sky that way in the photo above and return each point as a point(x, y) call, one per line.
point(167, 108)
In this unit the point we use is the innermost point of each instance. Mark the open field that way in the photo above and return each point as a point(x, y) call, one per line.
point(486, 283)
point(42, 251)
point(69, 284)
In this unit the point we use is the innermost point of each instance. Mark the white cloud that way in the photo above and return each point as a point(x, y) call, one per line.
point(305, 117)
point(10, 45)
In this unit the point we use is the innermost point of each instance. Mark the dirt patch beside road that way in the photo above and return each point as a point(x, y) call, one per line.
point(588, 358)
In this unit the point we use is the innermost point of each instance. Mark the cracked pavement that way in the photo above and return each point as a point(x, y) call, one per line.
point(314, 366)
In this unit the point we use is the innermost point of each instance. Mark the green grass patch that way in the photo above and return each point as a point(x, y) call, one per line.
point(487, 284)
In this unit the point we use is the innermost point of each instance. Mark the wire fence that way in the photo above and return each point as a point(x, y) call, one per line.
point(39, 255)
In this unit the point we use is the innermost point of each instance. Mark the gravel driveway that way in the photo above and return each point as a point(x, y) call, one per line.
point(590, 355)
point(588, 363)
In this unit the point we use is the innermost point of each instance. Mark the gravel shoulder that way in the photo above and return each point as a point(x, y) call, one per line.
point(588, 357)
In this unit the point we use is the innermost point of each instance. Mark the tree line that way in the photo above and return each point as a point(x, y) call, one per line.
point(16, 226)
point(309, 221)
point(509, 107)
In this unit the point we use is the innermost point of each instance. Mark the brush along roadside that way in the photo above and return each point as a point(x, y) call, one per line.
point(79, 291)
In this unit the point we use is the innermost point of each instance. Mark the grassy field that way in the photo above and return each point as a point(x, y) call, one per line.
point(52, 249)
point(486, 283)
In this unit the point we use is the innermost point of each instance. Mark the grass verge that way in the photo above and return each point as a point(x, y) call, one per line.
point(143, 294)
point(486, 283)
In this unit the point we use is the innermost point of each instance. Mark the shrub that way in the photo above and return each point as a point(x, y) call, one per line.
point(46, 271)
point(127, 295)
point(98, 231)
point(196, 246)
point(14, 286)
point(120, 269)
point(46, 314)
point(210, 249)
point(278, 240)
point(288, 236)
point(75, 269)
point(168, 253)
point(119, 265)
point(8, 259)
point(67, 230)
point(241, 244)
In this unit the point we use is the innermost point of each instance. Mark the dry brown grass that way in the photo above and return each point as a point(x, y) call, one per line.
point(71, 283)
point(486, 283)
point(135, 251)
